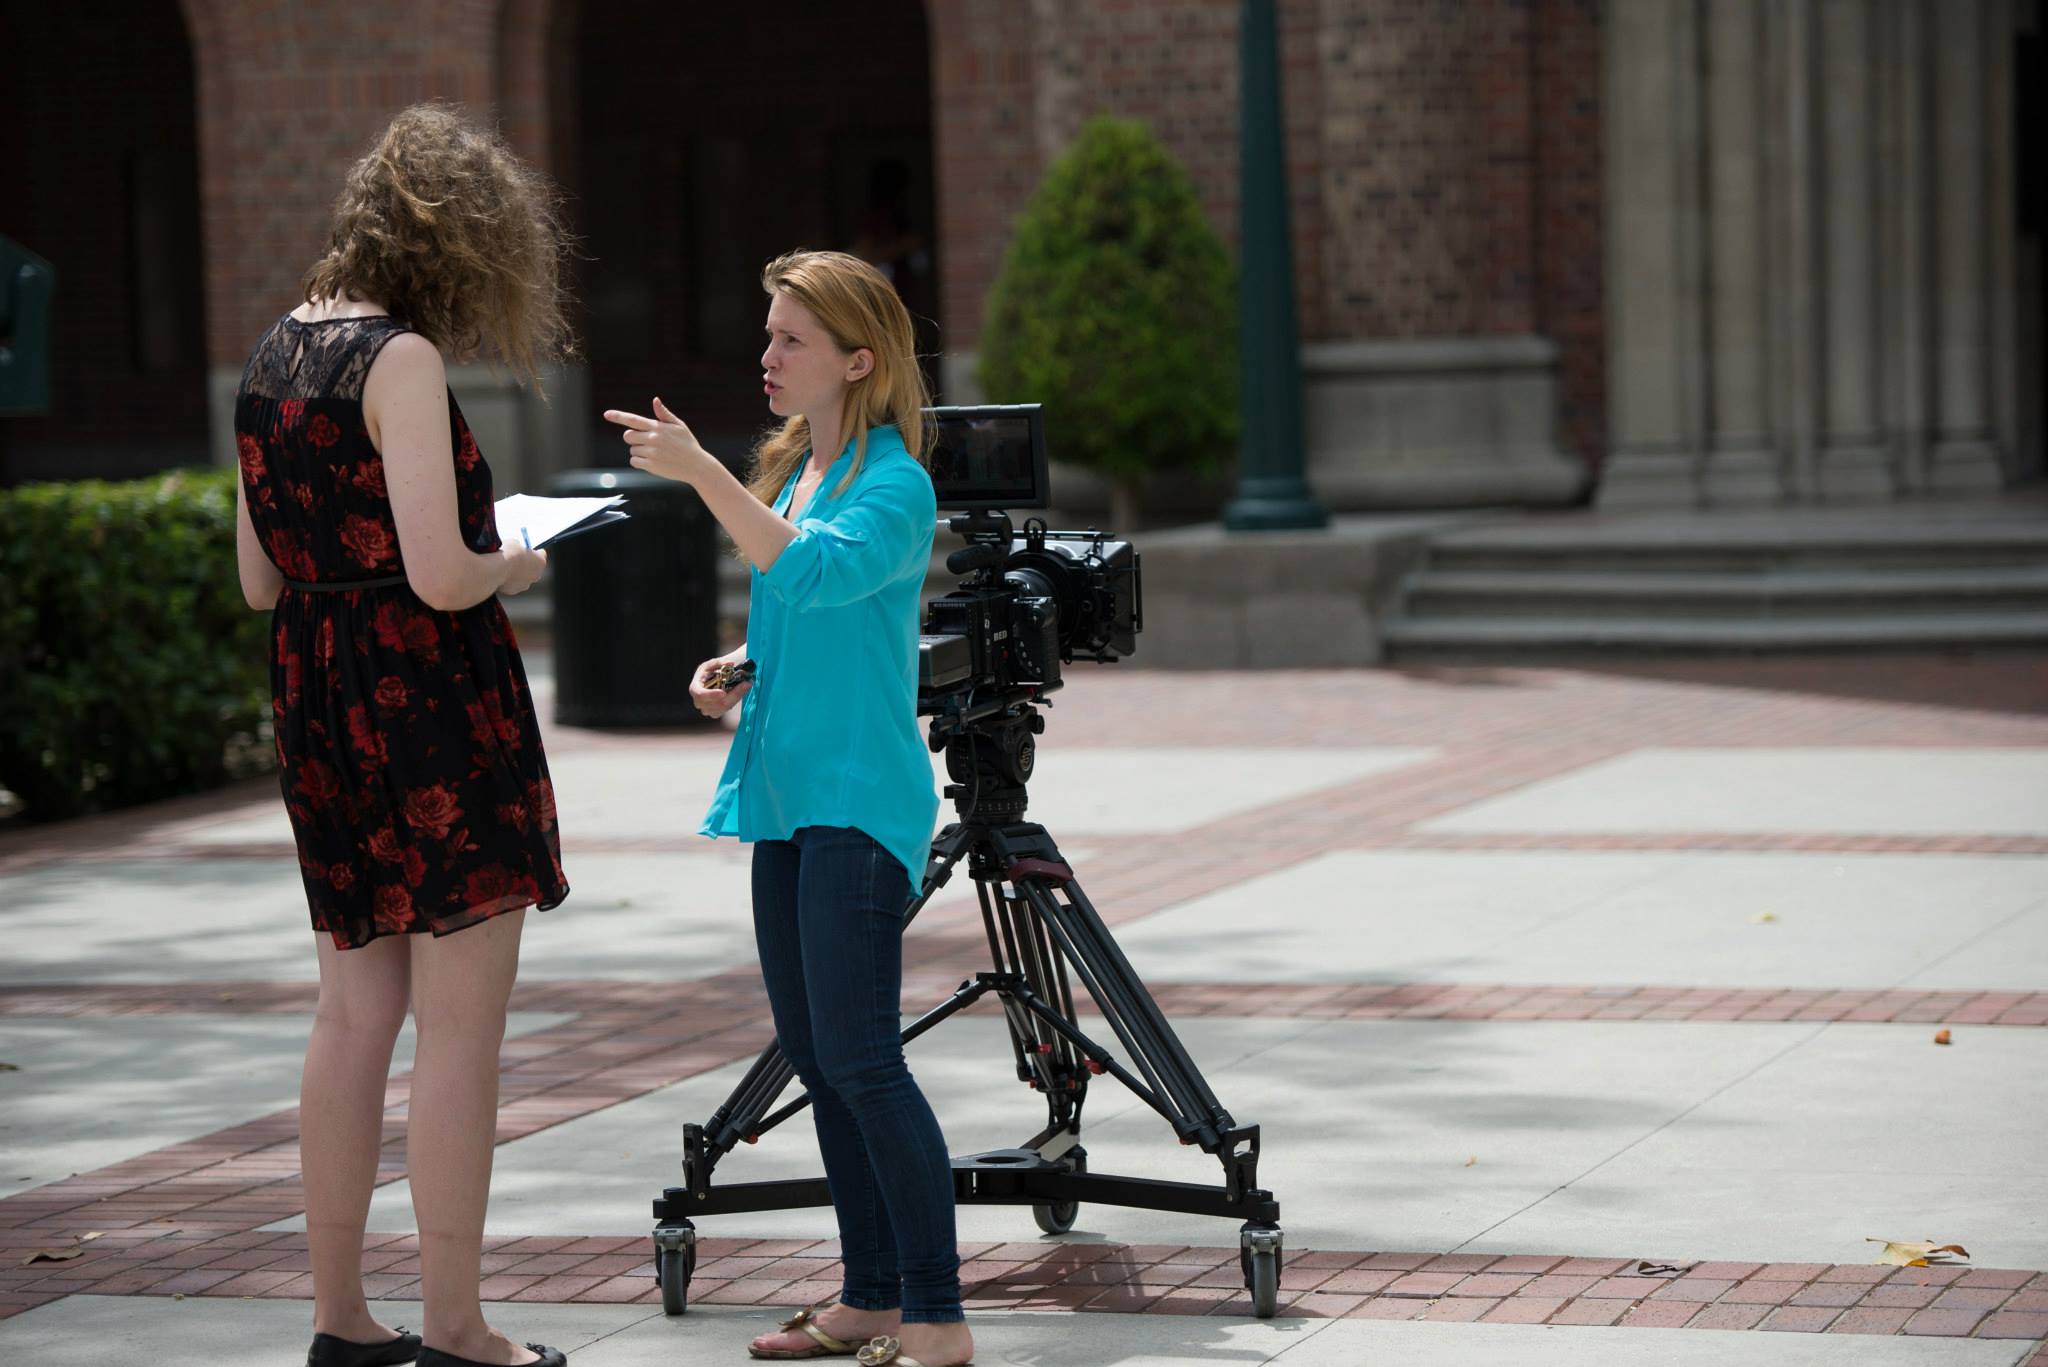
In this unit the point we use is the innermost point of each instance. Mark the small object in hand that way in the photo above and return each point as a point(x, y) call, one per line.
point(1941, 1036)
point(729, 674)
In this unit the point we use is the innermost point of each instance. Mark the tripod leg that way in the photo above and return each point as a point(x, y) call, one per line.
point(1155, 1050)
point(744, 1113)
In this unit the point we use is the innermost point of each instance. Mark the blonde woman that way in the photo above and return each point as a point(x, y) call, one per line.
point(829, 777)
point(407, 746)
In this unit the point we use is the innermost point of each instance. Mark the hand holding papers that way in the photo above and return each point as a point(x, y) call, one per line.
point(540, 522)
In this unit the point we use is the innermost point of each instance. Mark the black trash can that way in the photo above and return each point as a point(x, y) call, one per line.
point(635, 604)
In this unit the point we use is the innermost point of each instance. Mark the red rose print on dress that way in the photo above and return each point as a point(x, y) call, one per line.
point(292, 560)
point(432, 811)
point(369, 477)
point(383, 844)
point(540, 796)
point(515, 815)
point(507, 728)
point(365, 737)
point(391, 694)
point(318, 783)
point(340, 877)
point(497, 884)
point(290, 412)
point(368, 540)
point(400, 628)
point(488, 722)
point(394, 910)
point(251, 452)
point(466, 454)
point(322, 431)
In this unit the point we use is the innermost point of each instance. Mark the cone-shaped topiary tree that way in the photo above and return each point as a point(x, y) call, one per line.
point(1115, 308)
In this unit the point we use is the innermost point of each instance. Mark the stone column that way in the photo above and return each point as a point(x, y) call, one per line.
point(1811, 249)
point(1650, 96)
point(1963, 453)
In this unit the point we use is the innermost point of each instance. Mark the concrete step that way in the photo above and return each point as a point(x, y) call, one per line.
point(1769, 594)
point(1735, 550)
point(1479, 638)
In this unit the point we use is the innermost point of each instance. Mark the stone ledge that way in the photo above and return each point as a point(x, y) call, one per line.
point(1270, 600)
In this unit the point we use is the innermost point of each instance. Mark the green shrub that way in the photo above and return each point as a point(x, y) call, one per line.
point(130, 666)
point(1115, 307)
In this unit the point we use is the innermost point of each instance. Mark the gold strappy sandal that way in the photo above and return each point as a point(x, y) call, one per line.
point(886, 1352)
point(807, 1320)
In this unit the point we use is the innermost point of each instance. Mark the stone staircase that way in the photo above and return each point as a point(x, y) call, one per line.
point(1891, 577)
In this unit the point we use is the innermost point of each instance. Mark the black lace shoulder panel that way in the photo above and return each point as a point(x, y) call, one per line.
point(325, 360)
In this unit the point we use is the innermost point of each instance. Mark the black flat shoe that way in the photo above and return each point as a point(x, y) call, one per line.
point(549, 1357)
point(329, 1351)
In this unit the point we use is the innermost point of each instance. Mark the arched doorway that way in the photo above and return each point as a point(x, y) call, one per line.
point(103, 182)
point(708, 139)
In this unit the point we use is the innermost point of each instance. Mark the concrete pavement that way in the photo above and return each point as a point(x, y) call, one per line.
point(1576, 1005)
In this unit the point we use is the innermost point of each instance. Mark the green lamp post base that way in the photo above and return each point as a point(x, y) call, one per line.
point(1274, 505)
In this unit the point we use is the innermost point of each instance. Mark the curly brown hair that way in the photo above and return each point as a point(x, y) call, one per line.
point(442, 224)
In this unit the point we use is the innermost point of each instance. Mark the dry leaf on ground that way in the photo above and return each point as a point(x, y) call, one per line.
point(10, 1067)
point(52, 1255)
point(1941, 1037)
point(1650, 1269)
point(1764, 917)
point(1906, 1254)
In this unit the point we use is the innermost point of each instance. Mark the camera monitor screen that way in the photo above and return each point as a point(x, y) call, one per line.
point(992, 456)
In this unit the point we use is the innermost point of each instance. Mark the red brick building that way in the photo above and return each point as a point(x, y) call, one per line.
point(1451, 199)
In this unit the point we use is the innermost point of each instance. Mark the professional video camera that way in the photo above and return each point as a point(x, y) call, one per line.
point(991, 654)
point(1033, 600)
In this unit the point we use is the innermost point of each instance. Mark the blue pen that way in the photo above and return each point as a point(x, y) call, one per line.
point(524, 539)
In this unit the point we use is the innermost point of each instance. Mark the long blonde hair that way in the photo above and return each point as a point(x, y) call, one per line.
point(462, 241)
point(858, 306)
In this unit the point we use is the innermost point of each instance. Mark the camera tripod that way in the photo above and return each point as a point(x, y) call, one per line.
point(1042, 933)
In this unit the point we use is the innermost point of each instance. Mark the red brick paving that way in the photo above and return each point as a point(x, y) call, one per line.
point(1806, 1298)
point(938, 965)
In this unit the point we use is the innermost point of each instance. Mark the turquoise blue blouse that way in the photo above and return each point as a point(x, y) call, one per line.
point(828, 735)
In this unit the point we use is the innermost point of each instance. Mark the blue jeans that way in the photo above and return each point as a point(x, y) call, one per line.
point(828, 918)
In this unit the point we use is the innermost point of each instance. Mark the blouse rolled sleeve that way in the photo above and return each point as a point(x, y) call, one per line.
point(884, 534)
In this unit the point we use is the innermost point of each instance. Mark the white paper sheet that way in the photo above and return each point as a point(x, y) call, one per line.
point(532, 520)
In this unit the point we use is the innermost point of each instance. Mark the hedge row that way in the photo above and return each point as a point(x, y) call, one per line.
point(130, 667)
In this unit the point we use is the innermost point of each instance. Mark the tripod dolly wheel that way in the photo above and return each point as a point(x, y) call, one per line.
point(675, 1262)
point(1259, 1255)
point(1057, 1217)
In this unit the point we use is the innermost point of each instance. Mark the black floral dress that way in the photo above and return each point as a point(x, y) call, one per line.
point(407, 746)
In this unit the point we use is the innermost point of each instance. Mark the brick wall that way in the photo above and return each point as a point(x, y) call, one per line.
point(289, 96)
point(1014, 82)
point(1443, 154)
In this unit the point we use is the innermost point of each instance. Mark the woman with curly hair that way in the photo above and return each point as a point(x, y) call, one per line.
point(408, 750)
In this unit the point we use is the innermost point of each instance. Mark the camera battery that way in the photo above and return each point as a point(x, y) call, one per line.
point(943, 661)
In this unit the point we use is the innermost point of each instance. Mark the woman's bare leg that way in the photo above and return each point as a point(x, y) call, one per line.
point(341, 1121)
point(460, 985)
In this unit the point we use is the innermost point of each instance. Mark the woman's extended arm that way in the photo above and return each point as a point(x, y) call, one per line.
point(405, 403)
point(673, 452)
